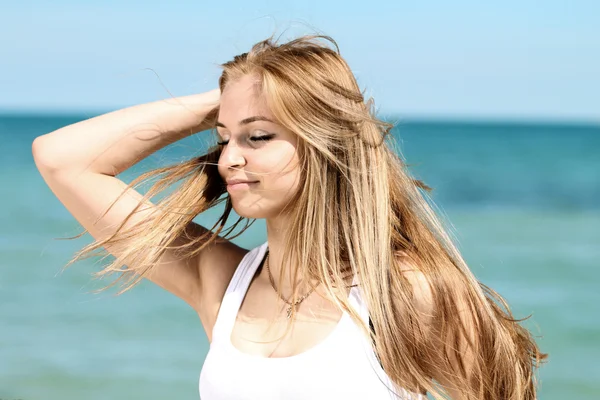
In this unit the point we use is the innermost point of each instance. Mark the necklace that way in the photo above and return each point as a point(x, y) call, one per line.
point(293, 305)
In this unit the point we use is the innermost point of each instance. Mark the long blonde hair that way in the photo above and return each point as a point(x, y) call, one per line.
point(359, 212)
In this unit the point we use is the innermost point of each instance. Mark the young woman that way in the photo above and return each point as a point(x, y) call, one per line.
point(358, 292)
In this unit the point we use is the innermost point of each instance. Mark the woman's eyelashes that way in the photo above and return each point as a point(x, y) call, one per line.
point(252, 139)
point(262, 138)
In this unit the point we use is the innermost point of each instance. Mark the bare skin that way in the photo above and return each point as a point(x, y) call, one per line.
point(80, 163)
point(266, 152)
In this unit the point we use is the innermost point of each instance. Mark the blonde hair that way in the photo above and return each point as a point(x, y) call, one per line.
point(360, 212)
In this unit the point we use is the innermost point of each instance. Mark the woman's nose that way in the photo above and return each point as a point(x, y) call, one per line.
point(232, 156)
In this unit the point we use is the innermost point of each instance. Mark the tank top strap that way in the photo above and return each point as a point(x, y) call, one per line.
point(356, 301)
point(236, 291)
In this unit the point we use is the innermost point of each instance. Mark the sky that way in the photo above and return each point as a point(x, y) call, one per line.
point(520, 60)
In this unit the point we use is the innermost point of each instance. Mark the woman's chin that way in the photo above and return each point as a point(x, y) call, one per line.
point(248, 212)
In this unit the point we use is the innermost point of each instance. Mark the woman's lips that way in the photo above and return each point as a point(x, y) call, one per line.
point(239, 185)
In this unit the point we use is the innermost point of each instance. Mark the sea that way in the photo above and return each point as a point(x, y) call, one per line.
point(522, 200)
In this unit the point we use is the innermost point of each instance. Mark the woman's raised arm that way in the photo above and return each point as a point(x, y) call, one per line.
point(80, 162)
point(111, 143)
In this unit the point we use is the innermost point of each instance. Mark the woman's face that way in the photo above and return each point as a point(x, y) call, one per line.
point(256, 152)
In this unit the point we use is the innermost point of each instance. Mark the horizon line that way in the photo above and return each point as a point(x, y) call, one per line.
point(386, 115)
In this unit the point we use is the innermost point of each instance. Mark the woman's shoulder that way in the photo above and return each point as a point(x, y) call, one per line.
point(216, 269)
point(421, 287)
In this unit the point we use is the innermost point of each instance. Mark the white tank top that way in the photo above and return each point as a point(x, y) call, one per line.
point(342, 366)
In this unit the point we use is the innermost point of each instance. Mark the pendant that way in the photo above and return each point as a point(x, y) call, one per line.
point(289, 312)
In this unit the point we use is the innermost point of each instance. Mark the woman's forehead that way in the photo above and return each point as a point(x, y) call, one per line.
point(240, 101)
point(247, 88)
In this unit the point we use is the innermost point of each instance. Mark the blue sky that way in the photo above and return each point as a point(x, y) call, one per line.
point(452, 59)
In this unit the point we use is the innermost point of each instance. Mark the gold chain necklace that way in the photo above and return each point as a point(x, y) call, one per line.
point(293, 305)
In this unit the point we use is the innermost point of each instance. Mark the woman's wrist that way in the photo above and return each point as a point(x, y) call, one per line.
point(200, 113)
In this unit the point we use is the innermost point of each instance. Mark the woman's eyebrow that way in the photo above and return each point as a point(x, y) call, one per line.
point(248, 120)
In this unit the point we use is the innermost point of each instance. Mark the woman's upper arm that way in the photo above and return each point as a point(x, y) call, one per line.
point(199, 280)
point(424, 305)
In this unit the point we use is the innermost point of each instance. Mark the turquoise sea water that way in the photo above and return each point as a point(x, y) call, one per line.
point(524, 200)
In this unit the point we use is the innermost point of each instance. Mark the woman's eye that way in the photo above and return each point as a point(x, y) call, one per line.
point(262, 138)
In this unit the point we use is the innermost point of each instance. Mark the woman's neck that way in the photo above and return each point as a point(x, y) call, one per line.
point(276, 236)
